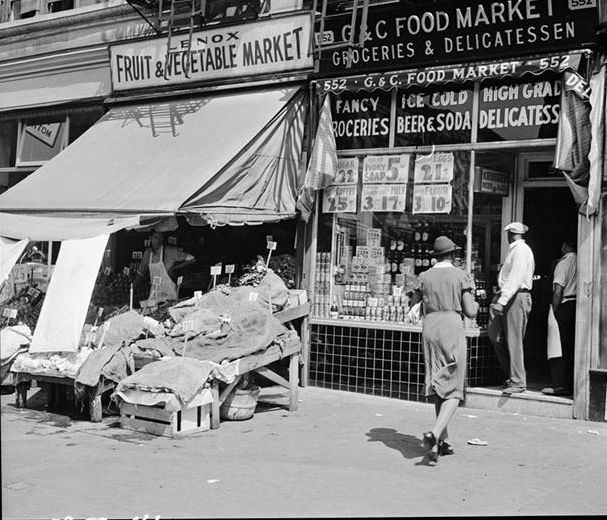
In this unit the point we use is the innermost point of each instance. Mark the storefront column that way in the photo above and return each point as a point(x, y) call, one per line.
point(588, 311)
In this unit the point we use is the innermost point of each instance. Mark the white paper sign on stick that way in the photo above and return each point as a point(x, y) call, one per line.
point(157, 281)
point(229, 269)
point(216, 270)
point(271, 246)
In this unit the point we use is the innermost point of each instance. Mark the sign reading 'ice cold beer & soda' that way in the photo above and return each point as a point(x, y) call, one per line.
point(521, 109)
point(269, 46)
point(400, 36)
point(361, 119)
point(440, 116)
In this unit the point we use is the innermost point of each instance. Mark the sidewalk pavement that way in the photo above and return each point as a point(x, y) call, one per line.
point(339, 454)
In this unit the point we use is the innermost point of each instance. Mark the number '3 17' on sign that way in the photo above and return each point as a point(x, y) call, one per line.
point(432, 198)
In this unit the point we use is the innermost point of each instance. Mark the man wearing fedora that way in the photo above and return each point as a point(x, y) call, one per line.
point(513, 306)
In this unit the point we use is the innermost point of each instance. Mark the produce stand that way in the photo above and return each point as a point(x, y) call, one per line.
point(53, 394)
point(258, 363)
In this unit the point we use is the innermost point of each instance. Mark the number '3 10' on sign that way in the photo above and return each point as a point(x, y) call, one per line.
point(434, 198)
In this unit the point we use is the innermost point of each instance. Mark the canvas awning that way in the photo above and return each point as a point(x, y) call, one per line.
point(235, 154)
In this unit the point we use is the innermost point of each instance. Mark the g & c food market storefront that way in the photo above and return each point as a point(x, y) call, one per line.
point(447, 124)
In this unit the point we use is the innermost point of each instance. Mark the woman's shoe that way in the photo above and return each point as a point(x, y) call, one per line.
point(431, 445)
point(444, 448)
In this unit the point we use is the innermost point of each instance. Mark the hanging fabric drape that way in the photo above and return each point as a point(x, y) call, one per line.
point(69, 293)
point(598, 147)
point(10, 252)
point(322, 166)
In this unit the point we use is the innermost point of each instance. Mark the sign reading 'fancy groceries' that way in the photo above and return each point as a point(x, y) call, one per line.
point(270, 46)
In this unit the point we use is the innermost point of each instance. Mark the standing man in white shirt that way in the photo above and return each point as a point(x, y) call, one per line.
point(513, 306)
point(564, 288)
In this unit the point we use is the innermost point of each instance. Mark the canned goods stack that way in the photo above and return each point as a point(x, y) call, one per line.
point(322, 285)
point(387, 308)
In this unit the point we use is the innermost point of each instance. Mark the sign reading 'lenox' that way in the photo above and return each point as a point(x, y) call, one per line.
point(271, 46)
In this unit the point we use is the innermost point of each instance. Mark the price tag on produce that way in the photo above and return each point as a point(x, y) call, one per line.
point(271, 246)
point(107, 253)
point(157, 281)
point(253, 296)
point(269, 238)
point(100, 312)
point(197, 295)
point(107, 271)
point(187, 325)
point(383, 197)
point(126, 271)
point(230, 268)
point(386, 169)
point(89, 338)
point(7, 312)
point(434, 198)
point(216, 270)
point(339, 199)
point(137, 255)
point(180, 280)
point(347, 171)
point(436, 167)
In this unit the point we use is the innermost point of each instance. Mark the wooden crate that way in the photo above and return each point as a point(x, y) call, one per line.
point(158, 421)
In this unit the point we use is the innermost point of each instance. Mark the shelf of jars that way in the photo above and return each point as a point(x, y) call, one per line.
point(373, 284)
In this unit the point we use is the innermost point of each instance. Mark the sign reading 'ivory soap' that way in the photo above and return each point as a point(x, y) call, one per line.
point(225, 52)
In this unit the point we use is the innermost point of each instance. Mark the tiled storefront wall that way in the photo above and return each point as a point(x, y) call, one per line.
point(386, 363)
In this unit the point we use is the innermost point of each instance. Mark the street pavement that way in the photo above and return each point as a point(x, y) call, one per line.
point(339, 454)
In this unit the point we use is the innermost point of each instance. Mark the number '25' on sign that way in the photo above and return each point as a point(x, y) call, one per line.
point(339, 199)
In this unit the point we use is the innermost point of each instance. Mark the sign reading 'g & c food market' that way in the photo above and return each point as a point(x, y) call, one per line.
point(279, 45)
point(400, 36)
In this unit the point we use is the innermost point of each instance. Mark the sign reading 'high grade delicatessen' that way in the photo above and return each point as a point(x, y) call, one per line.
point(270, 46)
point(401, 36)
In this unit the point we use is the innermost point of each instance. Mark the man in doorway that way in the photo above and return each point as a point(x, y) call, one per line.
point(513, 305)
point(564, 286)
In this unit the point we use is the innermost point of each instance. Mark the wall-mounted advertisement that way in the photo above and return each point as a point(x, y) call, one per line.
point(386, 168)
point(269, 46)
point(403, 36)
point(433, 116)
point(40, 142)
point(361, 119)
point(519, 109)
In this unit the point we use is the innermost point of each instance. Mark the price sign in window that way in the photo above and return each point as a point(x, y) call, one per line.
point(339, 199)
point(347, 171)
point(434, 198)
point(386, 168)
point(383, 197)
point(436, 167)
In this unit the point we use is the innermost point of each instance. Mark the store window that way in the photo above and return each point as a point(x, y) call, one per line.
point(8, 143)
point(41, 139)
point(376, 228)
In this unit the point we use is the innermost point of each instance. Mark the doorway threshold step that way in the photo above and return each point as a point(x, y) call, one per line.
point(526, 403)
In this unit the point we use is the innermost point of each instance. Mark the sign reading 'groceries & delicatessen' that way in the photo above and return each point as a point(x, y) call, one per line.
point(270, 46)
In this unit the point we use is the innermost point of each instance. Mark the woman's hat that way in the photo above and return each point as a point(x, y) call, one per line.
point(443, 245)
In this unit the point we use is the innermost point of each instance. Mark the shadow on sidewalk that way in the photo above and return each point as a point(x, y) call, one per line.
point(409, 446)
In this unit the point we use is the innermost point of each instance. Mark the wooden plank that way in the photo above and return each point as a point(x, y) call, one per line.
point(215, 405)
point(149, 412)
point(293, 313)
point(128, 423)
point(272, 376)
point(266, 357)
point(226, 391)
point(293, 381)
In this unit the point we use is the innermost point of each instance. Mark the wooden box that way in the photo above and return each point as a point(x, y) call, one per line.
point(168, 423)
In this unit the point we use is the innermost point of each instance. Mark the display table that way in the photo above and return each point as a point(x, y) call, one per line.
point(53, 384)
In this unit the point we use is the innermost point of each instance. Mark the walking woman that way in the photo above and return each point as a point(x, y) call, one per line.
point(447, 295)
